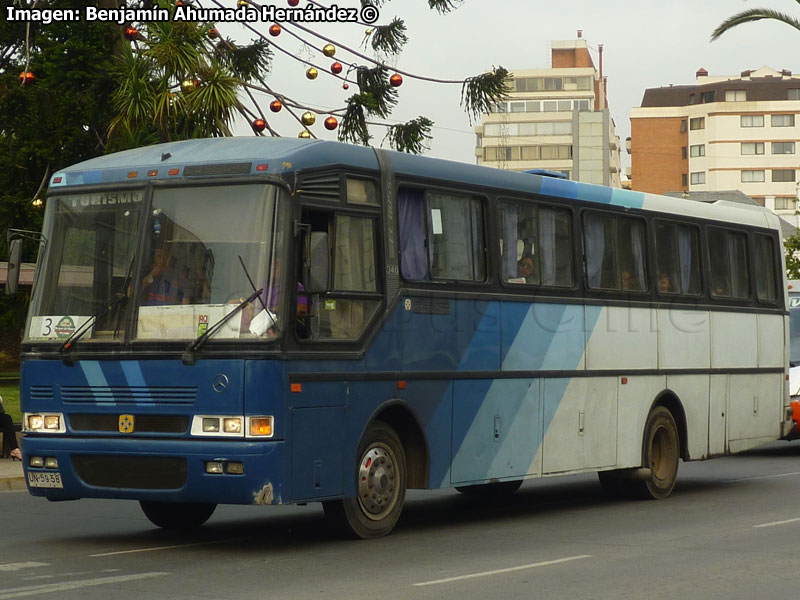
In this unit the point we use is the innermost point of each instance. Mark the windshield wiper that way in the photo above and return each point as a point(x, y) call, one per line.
point(80, 331)
point(188, 355)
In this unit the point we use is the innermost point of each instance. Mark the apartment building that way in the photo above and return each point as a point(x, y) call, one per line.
point(723, 133)
point(555, 119)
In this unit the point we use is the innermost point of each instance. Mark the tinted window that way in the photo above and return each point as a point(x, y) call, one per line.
point(441, 236)
point(728, 263)
point(677, 259)
point(535, 245)
point(614, 249)
point(765, 268)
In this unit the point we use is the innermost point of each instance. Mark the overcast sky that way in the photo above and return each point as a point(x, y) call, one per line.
point(646, 44)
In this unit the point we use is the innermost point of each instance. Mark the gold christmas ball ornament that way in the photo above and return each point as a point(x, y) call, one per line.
point(305, 134)
point(312, 73)
point(368, 31)
point(308, 118)
point(188, 85)
point(329, 50)
point(242, 3)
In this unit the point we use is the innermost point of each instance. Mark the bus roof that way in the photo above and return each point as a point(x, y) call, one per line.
point(269, 155)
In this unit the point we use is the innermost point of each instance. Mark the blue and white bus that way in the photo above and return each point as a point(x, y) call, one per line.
point(269, 321)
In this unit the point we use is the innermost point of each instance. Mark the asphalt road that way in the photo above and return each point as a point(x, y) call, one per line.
point(730, 530)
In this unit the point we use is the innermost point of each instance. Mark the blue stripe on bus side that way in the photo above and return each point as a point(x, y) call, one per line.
point(549, 337)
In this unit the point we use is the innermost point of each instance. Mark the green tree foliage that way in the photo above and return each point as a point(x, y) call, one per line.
point(751, 15)
point(791, 246)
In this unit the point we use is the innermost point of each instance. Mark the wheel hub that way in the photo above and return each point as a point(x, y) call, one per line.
point(377, 482)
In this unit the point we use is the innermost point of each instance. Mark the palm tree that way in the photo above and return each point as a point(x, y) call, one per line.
point(754, 14)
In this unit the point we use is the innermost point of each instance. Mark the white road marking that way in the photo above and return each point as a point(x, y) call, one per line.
point(765, 476)
point(778, 523)
point(33, 590)
point(157, 548)
point(498, 571)
point(22, 565)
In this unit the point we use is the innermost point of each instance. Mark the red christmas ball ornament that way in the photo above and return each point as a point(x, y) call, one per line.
point(275, 105)
point(396, 80)
point(274, 30)
point(331, 123)
point(131, 33)
point(26, 77)
point(336, 68)
point(213, 33)
point(293, 2)
point(346, 86)
point(259, 125)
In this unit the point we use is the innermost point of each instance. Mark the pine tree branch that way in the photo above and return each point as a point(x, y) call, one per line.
point(480, 92)
point(412, 137)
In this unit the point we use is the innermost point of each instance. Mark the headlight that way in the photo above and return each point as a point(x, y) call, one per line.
point(233, 425)
point(218, 425)
point(44, 422)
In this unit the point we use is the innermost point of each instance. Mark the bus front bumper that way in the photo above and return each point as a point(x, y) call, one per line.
point(157, 470)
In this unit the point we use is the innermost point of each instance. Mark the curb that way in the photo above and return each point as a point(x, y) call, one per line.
point(12, 484)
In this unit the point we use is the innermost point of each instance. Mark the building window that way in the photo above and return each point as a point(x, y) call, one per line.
point(783, 120)
point(752, 147)
point(793, 94)
point(549, 106)
point(697, 123)
point(752, 176)
point(691, 98)
point(698, 178)
point(582, 104)
point(533, 106)
point(683, 125)
point(783, 147)
point(517, 107)
point(752, 121)
point(707, 97)
point(553, 84)
point(697, 150)
point(683, 153)
point(783, 174)
point(784, 203)
point(684, 180)
point(735, 95)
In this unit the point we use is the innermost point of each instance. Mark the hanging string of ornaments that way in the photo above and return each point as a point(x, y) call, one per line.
point(478, 92)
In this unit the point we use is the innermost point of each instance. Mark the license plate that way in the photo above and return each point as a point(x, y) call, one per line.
point(45, 480)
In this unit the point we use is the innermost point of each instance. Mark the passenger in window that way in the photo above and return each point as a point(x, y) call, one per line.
point(627, 282)
point(526, 270)
point(163, 285)
point(665, 284)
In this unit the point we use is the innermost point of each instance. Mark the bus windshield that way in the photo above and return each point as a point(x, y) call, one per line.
point(794, 329)
point(201, 249)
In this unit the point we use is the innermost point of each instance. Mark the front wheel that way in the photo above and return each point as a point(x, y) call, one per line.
point(380, 484)
point(180, 516)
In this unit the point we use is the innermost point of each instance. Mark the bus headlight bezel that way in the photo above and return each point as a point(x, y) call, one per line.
point(43, 422)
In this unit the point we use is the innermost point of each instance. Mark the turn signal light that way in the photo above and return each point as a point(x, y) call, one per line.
point(261, 426)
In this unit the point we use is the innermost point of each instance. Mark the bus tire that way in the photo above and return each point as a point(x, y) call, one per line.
point(177, 516)
point(380, 473)
point(496, 489)
point(660, 455)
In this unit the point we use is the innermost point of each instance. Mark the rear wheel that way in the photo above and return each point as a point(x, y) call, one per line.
point(497, 489)
point(380, 474)
point(180, 516)
point(660, 456)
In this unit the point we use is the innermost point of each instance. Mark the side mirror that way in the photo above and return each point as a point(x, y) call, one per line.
point(14, 258)
point(318, 261)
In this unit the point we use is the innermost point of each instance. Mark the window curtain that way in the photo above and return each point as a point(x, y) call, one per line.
point(594, 233)
point(411, 209)
point(637, 247)
point(509, 236)
point(685, 259)
point(547, 246)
